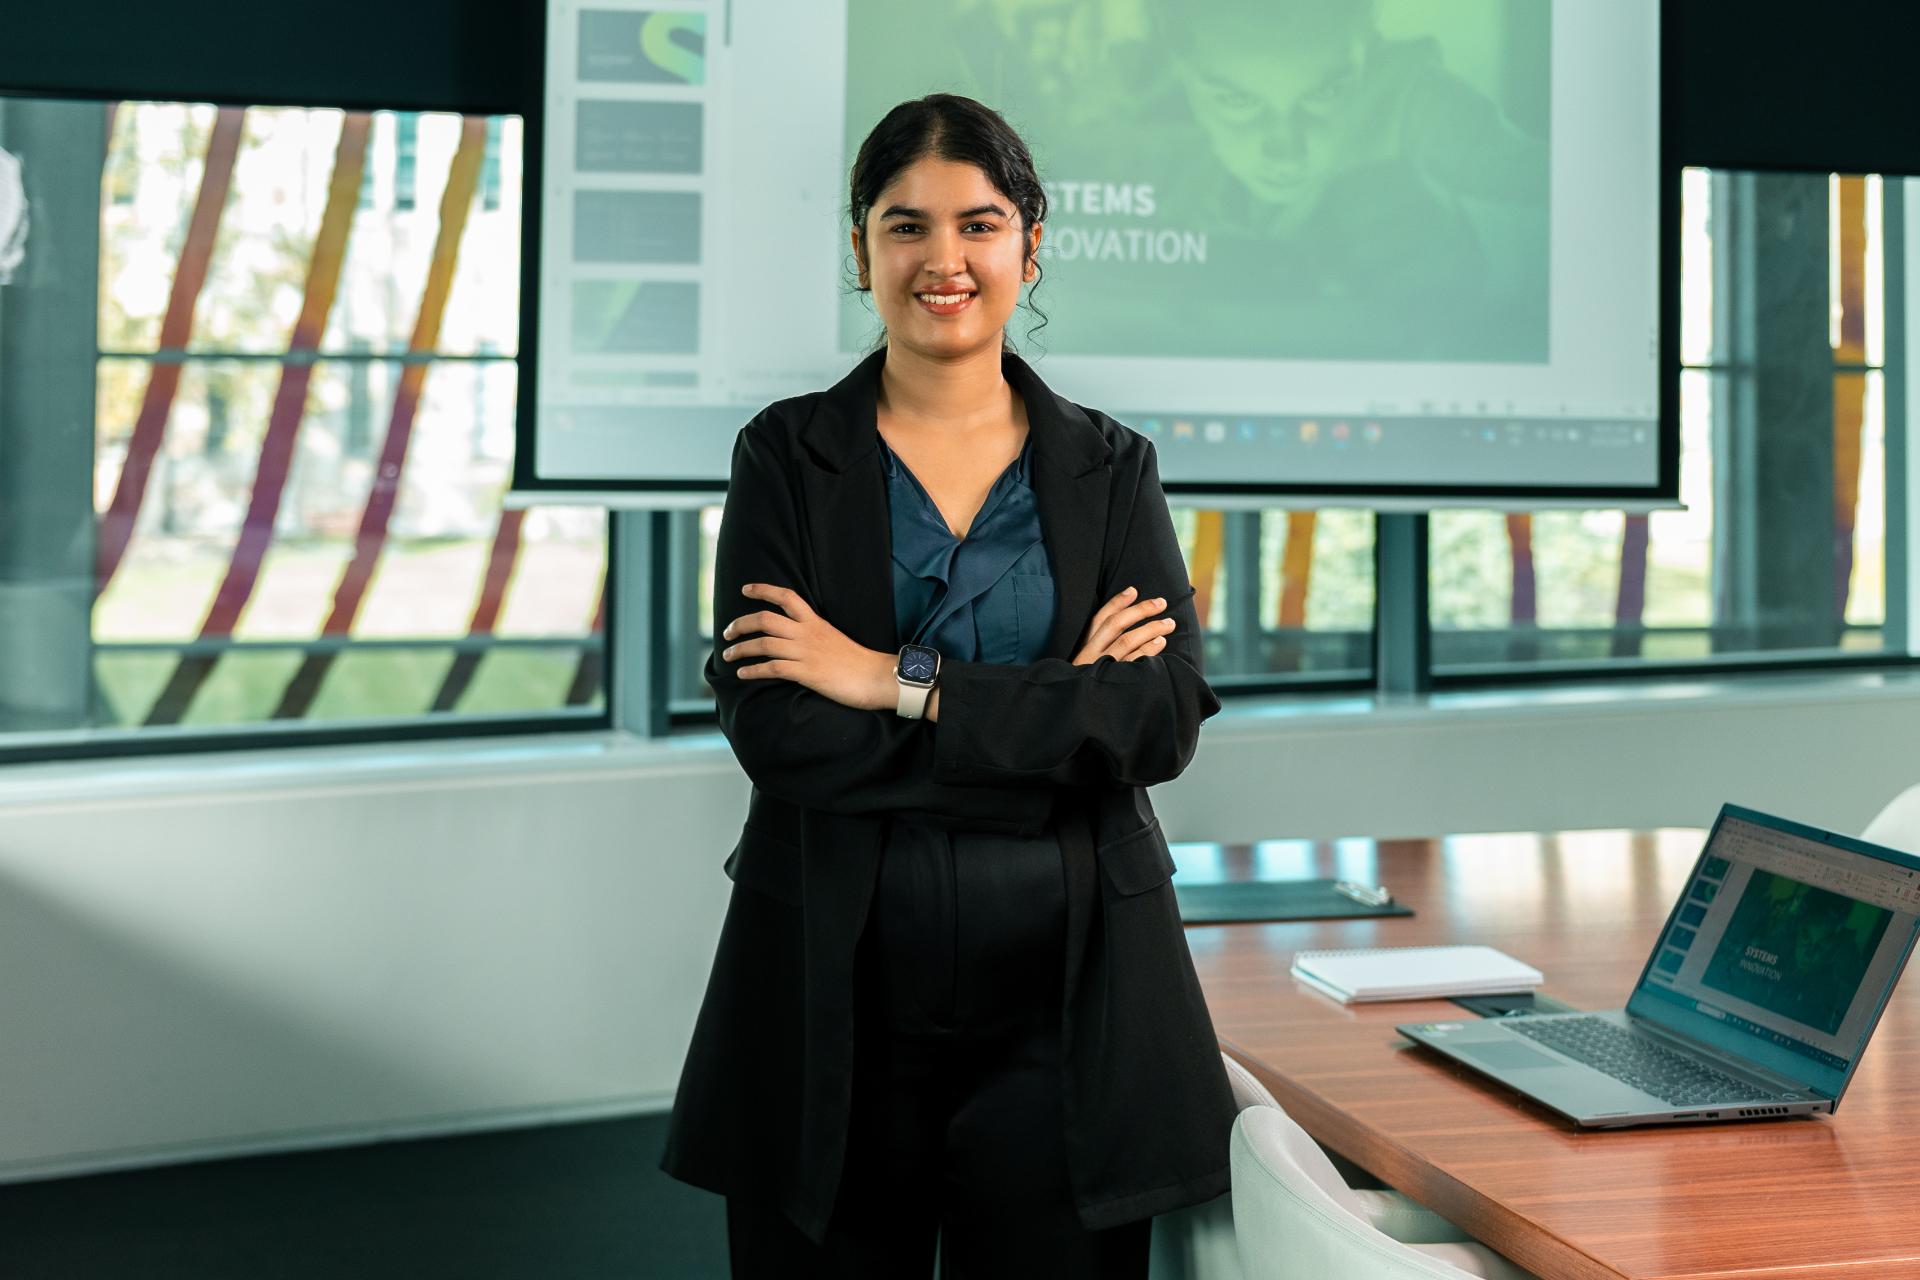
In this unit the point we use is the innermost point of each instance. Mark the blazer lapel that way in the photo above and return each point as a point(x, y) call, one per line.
point(845, 489)
point(1070, 482)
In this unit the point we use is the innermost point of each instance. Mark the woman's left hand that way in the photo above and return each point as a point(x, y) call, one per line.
point(800, 645)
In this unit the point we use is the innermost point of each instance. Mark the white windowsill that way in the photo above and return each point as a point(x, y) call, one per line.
point(475, 760)
point(1588, 698)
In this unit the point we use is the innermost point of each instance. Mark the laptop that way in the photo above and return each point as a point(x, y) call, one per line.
point(1757, 1000)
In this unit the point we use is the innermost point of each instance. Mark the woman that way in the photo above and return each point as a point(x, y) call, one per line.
point(952, 994)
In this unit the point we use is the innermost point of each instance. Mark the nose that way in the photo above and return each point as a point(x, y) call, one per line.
point(1284, 139)
point(945, 253)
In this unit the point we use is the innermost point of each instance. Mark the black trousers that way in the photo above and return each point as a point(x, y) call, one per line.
point(956, 1131)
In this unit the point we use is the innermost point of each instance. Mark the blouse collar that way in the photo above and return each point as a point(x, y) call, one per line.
point(843, 428)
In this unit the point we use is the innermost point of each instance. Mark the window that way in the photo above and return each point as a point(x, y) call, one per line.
point(1285, 598)
point(257, 431)
point(258, 371)
point(1782, 551)
point(1782, 555)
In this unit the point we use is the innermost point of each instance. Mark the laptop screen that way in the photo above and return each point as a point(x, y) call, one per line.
point(1784, 946)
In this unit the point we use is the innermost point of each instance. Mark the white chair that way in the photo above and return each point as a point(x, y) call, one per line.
point(1898, 826)
point(1295, 1219)
point(1197, 1243)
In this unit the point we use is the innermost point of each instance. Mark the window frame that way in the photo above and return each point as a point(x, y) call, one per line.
point(1898, 651)
point(639, 667)
point(1402, 624)
point(121, 742)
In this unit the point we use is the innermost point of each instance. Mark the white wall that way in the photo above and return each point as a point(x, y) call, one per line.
point(206, 956)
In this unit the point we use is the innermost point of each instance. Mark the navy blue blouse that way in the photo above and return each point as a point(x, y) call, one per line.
point(965, 918)
point(987, 597)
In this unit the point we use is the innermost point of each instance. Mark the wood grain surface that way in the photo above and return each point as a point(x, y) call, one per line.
point(1824, 1196)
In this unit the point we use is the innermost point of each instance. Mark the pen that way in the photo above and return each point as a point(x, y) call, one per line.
point(1365, 895)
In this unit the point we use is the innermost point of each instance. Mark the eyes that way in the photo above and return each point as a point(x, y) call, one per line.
point(1233, 103)
point(1242, 107)
point(1323, 99)
point(914, 228)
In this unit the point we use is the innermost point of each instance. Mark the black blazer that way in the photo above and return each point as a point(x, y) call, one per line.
point(762, 1107)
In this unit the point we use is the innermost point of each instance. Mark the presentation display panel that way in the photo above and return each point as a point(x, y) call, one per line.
point(1327, 247)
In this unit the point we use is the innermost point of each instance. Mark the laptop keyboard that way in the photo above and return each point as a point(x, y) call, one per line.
point(1645, 1064)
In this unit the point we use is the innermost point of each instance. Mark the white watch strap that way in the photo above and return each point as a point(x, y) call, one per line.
point(913, 700)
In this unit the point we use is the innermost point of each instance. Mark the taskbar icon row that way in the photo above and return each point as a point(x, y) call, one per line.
point(1368, 433)
point(1309, 431)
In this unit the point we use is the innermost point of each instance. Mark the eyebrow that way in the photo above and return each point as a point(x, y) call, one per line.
point(1217, 81)
point(901, 211)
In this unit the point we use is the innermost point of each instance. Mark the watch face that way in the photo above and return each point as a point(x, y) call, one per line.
point(918, 663)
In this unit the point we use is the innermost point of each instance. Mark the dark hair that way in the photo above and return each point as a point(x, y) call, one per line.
point(1174, 20)
point(950, 127)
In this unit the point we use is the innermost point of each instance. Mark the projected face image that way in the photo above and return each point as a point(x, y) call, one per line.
point(944, 256)
point(1273, 99)
point(1305, 179)
point(1797, 950)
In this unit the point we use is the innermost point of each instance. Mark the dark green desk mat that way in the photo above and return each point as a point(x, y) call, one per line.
point(1246, 900)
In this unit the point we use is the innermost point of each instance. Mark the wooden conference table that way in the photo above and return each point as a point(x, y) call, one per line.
point(1827, 1196)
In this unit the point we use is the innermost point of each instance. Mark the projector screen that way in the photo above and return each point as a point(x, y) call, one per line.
point(1345, 249)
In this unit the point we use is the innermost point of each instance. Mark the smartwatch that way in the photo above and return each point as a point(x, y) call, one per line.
point(916, 671)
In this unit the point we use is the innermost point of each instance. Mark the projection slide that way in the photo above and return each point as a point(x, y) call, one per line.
point(1381, 245)
point(1796, 950)
point(1403, 217)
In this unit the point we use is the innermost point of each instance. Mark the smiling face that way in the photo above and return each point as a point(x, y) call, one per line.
point(1272, 96)
point(944, 254)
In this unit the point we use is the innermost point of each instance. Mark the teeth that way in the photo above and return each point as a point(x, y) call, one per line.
point(939, 299)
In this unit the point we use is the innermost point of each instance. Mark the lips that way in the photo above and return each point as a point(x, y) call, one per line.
point(1280, 184)
point(942, 302)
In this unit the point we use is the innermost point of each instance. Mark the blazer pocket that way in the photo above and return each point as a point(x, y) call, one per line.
point(1137, 861)
point(766, 862)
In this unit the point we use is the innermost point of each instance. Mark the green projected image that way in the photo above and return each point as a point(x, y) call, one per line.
point(1796, 950)
point(1271, 179)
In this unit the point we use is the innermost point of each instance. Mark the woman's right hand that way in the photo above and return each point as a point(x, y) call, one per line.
point(1122, 630)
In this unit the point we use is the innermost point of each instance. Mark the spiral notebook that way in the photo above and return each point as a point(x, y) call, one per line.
point(1413, 973)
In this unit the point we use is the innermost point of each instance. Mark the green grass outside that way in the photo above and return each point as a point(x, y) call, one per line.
point(385, 684)
point(423, 589)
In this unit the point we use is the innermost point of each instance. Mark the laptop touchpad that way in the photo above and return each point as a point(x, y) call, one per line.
point(1505, 1057)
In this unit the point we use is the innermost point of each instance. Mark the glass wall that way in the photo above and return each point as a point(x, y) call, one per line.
point(258, 370)
point(1285, 597)
point(1782, 550)
point(1785, 549)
